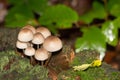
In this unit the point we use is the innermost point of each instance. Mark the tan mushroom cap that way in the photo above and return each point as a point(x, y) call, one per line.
point(38, 38)
point(41, 54)
point(21, 45)
point(52, 44)
point(44, 31)
point(25, 35)
point(31, 28)
point(29, 51)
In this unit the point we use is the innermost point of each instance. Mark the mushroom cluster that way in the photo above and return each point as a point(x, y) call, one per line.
point(41, 37)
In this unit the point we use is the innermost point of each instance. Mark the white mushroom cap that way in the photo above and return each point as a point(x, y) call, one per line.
point(21, 45)
point(41, 54)
point(38, 38)
point(44, 31)
point(52, 44)
point(31, 28)
point(25, 35)
point(29, 51)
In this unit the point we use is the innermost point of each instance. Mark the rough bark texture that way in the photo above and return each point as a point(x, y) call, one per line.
point(8, 38)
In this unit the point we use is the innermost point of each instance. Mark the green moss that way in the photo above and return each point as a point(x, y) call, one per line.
point(98, 73)
point(3, 62)
point(86, 56)
point(104, 72)
point(5, 58)
point(14, 67)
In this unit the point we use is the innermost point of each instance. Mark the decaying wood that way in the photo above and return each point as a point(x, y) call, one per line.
point(60, 61)
point(8, 38)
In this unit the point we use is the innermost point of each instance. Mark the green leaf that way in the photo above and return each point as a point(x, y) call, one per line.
point(13, 2)
point(93, 39)
point(81, 44)
point(21, 9)
point(38, 6)
point(97, 11)
point(115, 10)
point(112, 3)
point(19, 21)
point(113, 7)
point(19, 16)
point(60, 16)
point(116, 22)
point(111, 33)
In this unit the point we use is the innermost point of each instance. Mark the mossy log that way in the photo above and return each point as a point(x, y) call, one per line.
point(14, 67)
point(59, 66)
point(8, 38)
point(104, 72)
point(62, 64)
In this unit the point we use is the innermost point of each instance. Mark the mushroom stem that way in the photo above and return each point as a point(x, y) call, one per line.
point(29, 44)
point(46, 63)
point(22, 55)
point(42, 63)
point(38, 47)
point(23, 50)
point(32, 60)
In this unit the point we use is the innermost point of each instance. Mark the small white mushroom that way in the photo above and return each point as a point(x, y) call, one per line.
point(44, 31)
point(29, 51)
point(38, 39)
point(25, 35)
point(52, 44)
point(21, 45)
point(41, 55)
point(30, 27)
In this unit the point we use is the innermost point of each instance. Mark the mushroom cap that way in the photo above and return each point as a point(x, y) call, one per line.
point(31, 28)
point(25, 35)
point(38, 38)
point(21, 45)
point(29, 51)
point(52, 44)
point(44, 31)
point(41, 54)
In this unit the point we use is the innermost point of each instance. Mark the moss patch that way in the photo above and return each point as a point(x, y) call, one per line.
point(14, 67)
point(104, 72)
